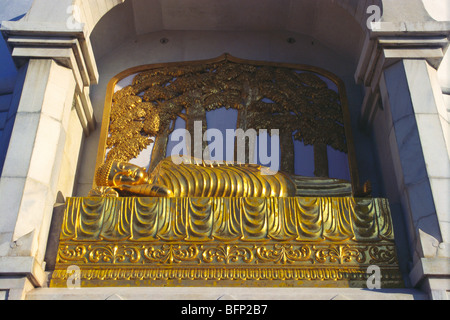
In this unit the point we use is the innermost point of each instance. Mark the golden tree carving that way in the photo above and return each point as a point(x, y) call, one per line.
point(299, 104)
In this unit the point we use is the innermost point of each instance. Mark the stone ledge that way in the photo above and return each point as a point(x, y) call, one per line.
point(424, 28)
point(23, 266)
point(34, 31)
point(69, 47)
point(199, 293)
point(429, 267)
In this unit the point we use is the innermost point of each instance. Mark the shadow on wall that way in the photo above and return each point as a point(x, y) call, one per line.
point(8, 77)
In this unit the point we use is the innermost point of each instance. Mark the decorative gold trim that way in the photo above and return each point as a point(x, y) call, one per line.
point(127, 253)
point(218, 276)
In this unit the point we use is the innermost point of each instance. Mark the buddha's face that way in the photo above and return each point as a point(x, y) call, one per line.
point(127, 173)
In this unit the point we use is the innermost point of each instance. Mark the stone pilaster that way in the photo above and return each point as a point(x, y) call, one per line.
point(31, 171)
point(40, 166)
point(398, 69)
point(68, 47)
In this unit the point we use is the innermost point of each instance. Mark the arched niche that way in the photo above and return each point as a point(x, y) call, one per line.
point(287, 112)
point(121, 40)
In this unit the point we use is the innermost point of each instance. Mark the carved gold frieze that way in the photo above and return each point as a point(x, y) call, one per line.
point(213, 274)
point(275, 263)
point(228, 254)
point(224, 241)
point(210, 276)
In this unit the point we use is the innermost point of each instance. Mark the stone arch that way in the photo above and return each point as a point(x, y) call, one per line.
point(84, 11)
point(324, 20)
point(92, 11)
point(358, 9)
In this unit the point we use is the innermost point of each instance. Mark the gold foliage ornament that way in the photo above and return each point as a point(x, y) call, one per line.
point(299, 103)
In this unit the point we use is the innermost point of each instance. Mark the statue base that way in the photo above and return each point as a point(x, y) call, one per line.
point(289, 242)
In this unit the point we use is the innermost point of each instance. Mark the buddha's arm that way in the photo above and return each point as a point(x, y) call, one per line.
point(147, 190)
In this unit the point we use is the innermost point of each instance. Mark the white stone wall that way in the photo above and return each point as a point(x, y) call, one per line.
point(404, 155)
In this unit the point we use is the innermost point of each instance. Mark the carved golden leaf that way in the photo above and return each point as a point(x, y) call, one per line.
point(268, 97)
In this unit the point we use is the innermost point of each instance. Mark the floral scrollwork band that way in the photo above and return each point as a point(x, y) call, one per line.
point(161, 263)
point(176, 253)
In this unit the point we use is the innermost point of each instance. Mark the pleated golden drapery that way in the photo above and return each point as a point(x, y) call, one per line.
point(227, 219)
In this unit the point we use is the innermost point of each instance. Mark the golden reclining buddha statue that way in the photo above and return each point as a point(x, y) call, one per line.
point(201, 223)
point(190, 222)
point(198, 178)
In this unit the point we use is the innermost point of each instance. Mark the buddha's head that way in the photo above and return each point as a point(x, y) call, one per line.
point(115, 173)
